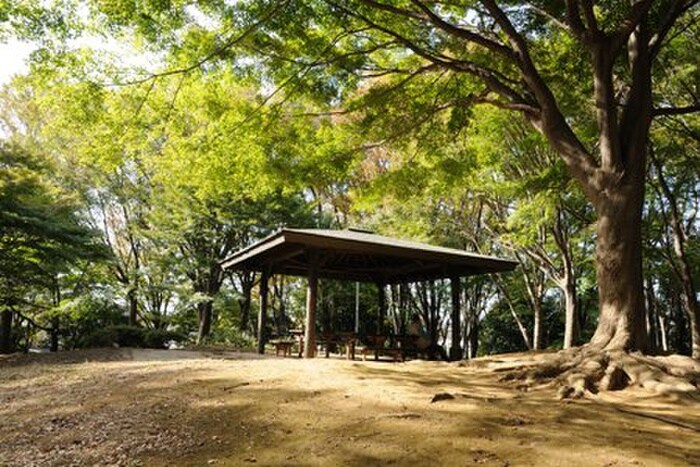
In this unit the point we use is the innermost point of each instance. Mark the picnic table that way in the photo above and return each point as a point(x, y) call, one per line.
point(332, 340)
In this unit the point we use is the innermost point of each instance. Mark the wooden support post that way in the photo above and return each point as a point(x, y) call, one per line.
point(380, 315)
point(311, 294)
point(262, 313)
point(455, 349)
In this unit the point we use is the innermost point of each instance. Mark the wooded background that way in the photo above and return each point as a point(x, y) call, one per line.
point(152, 138)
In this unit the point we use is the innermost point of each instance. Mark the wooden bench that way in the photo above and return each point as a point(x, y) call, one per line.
point(283, 346)
point(375, 345)
point(395, 353)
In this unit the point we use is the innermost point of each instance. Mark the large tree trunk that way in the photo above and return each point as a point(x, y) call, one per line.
point(6, 344)
point(619, 269)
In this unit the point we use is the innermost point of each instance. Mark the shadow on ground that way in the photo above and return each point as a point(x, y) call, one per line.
point(191, 409)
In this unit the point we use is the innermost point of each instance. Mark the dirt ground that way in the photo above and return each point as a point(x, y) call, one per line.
point(148, 407)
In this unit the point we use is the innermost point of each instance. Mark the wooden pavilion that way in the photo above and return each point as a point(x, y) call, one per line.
point(356, 255)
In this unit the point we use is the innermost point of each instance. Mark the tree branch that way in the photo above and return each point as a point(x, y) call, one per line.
point(230, 42)
point(679, 8)
point(552, 123)
point(668, 111)
point(589, 17)
point(463, 33)
point(550, 17)
point(639, 11)
point(494, 79)
point(573, 15)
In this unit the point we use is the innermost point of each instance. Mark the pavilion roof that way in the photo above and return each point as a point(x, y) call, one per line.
point(359, 256)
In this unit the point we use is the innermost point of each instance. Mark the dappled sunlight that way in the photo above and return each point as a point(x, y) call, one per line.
point(273, 411)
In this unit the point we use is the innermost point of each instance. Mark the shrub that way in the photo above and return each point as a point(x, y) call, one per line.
point(231, 337)
point(130, 336)
point(160, 338)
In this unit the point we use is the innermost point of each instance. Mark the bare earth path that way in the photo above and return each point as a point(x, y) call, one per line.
point(141, 407)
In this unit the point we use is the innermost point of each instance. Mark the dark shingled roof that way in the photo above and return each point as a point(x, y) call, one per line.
point(359, 255)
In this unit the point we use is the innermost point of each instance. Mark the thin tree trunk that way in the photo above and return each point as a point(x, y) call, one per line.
point(55, 323)
point(472, 340)
point(247, 280)
point(651, 318)
point(381, 311)
point(263, 312)
point(205, 315)
point(663, 332)
point(571, 313)
point(6, 344)
point(537, 325)
point(681, 336)
point(682, 267)
point(692, 309)
point(518, 322)
point(133, 307)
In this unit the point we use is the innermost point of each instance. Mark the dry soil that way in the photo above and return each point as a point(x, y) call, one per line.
point(147, 407)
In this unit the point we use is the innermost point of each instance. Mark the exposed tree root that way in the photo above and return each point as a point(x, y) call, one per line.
point(584, 370)
point(667, 420)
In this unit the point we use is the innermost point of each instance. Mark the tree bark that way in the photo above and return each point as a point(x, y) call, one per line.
point(247, 281)
point(663, 333)
point(208, 283)
point(690, 304)
point(6, 344)
point(55, 329)
point(537, 325)
point(455, 348)
point(619, 269)
point(571, 312)
point(311, 301)
point(133, 307)
point(651, 318)
point(205, 315)
point(262, 315)
point(381, 312)
point(566, 279)
point(472, 338)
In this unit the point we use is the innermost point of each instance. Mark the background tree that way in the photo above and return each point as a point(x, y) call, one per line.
point(41, 238)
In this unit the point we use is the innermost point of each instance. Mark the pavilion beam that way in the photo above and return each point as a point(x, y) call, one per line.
point(455, 288)
point(311, 299)
point(262, 312)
